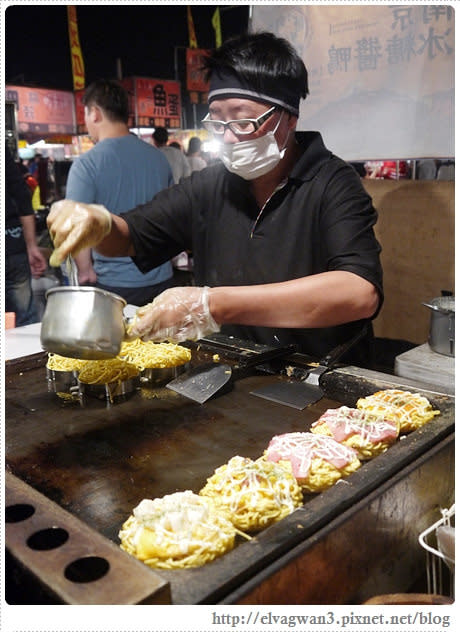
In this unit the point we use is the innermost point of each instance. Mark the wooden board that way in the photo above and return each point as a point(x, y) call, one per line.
point(416, 229)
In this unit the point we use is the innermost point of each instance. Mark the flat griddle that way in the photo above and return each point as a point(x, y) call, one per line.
point(99, 462)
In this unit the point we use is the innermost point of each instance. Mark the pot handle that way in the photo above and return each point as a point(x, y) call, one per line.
point(127, 320)
point(435, 308)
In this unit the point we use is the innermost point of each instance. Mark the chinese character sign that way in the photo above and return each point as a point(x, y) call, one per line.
point(158, 103)
point(381, 78)
point(80, 112)
point(43, 111)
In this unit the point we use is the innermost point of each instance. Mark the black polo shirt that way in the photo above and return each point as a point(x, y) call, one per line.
point(18, 203)
point(321, 219)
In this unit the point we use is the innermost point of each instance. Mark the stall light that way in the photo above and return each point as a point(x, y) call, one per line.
point(211, 146)
point(39, 143)
point(142, 130)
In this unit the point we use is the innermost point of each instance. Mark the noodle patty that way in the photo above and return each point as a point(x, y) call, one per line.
point(254, 493)
point(179, 530)
point(154, 355)
point(317, 461)
point(411, 410)
point(358, 429)
point(107, 371)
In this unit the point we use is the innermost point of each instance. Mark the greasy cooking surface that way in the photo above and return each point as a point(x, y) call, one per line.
point(99, 462)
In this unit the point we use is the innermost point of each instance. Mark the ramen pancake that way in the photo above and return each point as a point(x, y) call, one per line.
point(179, 530)
point(317, 461)
point(367, 434)
point(154, 355)
point(411, 410)
point(254, 493)
point(57, 362)
point(107, 371)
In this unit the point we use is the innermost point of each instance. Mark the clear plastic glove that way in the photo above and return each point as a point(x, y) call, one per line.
point(177, 314)
point(74, 226)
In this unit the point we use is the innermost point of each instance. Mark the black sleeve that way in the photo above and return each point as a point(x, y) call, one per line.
point(347, 226)
point(166, 225)
point(18, 198)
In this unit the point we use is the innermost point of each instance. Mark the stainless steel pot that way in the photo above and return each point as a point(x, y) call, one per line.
point(83, 322)
point(442, 327)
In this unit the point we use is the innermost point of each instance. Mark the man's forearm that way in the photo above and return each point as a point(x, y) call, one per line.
point(118, 242)
point(322, 300)
point(28, 227)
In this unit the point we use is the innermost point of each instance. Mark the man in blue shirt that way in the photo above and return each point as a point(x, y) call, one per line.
point(120, 172)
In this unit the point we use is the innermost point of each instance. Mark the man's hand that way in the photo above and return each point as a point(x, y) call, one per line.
point(86, 273)
point(74, 226)
point(37, 261)
point(176, 315)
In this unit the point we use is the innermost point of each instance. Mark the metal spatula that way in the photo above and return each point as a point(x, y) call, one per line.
point(208, 380)
point(307, 391)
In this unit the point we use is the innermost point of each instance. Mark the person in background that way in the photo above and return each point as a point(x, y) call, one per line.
point(120, 171)
point(38, 169)
point(281, 231)
point(194, 156)
point(22, 167)
point(32, 165)
point(34, 190)
point(177, 161)
point(23, 257)
point(181, 169)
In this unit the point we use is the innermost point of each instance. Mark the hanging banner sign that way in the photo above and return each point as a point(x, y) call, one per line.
point(43, 111)
point(195, 76)
point(80, 112)
point(78, 67)
point(157, 102)
point(191, 29)
point(215, 20)
point(381, 77)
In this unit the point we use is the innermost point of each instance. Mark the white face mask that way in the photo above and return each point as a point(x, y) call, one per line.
point(252, 158)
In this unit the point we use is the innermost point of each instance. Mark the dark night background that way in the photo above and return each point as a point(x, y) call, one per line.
point(143, 37)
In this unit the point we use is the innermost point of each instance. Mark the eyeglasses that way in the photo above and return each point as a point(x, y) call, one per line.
point(240, 127)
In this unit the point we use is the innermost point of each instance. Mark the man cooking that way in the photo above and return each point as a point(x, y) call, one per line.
point(281, 230)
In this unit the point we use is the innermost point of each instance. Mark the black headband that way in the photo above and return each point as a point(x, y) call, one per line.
point(225, 85)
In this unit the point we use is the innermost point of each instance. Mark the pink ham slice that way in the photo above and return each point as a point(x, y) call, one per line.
point(301, 447)
point(344, 422)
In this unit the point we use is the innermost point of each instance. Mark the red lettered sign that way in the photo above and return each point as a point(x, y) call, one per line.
point(43, 111)
point(195, 76)
point(158, 102)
